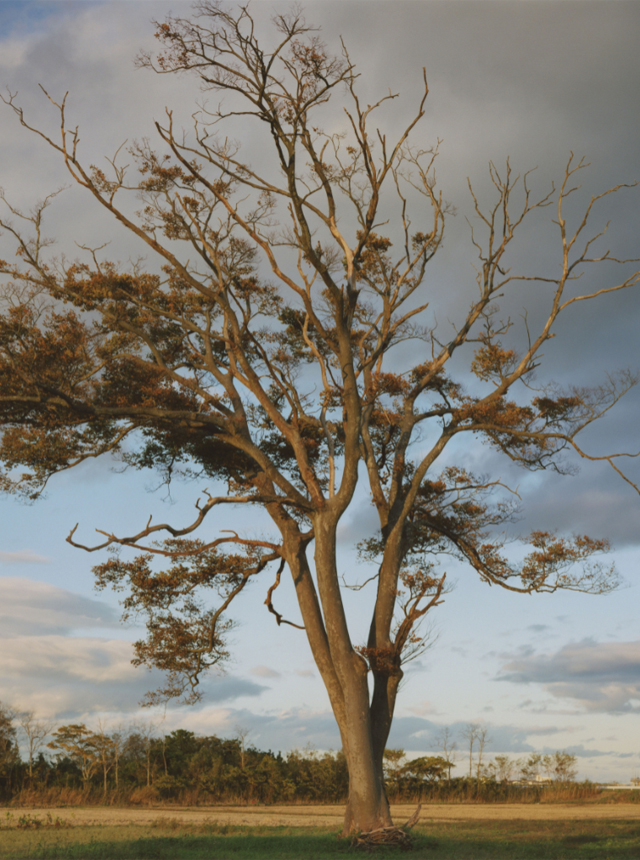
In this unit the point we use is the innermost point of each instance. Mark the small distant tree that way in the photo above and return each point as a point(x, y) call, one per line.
point(78, 743)
point(103, 746)
point(561, 766)
point(448, 746)
point(530, 768)
point(422, 771)
point(470, 734)
point(35, 732)
point(142, 736)
point(482, 738)
point(119, 741)
point(242, 734)
point(285, 393)
point(393, 770)
point(503, 768)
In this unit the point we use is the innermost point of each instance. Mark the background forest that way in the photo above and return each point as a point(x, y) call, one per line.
point(140, 765)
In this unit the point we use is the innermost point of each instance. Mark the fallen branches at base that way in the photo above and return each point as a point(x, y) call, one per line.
point(394, 837)
point(385, 836)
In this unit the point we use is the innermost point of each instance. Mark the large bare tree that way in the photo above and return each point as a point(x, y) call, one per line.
point(284, 350)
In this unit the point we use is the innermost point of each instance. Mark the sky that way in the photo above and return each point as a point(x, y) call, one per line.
point(529, 80)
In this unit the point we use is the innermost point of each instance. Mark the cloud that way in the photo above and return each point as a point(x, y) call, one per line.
point(63, 676)
point(601, 676)
point(28, 607)
point(593, 502)
point(23, 556)
point(422, 735)
point(288, 729)
point(422, 709)
point(580, 751)
point(297, 728)
point(265, 672)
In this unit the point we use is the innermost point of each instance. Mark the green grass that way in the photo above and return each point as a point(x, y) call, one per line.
point(452, 840)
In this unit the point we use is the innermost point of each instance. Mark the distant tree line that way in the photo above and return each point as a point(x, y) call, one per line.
point(137, 764)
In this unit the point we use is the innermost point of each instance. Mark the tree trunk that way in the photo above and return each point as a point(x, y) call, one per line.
point(343, 671)
point(361, 820)
point(367, 805)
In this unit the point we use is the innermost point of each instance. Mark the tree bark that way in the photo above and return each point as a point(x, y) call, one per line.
point(367, 807)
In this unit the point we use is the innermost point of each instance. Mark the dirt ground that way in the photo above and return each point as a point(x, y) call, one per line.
point(331, 816)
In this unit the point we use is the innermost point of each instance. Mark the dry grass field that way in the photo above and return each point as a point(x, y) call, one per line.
point(577, 831)
point(292, 815)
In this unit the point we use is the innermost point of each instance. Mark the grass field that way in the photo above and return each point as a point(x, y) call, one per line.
point(522, 834)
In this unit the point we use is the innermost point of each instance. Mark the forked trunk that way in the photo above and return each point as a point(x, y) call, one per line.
point(344, 673)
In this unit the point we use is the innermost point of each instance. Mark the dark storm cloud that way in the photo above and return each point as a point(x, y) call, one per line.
point(528, 79)
point(601, 676)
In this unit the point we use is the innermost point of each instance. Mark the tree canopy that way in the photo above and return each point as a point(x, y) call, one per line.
point(284, 351)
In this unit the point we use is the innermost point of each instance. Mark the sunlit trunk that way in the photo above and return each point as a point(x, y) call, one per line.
point(367, 806)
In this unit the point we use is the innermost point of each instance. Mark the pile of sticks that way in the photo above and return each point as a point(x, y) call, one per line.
point(392, 837)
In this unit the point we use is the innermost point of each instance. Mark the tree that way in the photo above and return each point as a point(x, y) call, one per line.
point(449, 747)
point(142, 736)
point(422, 771)
point(119, 741)
point(105, 751)
point(561, 766)
point(242, 734)
point(393, 769)
point(530, 768)
point(290, 392)
point(470, 734)
point(482, 736)
point(503, 767)
point(35, 731)
point(78, 743)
